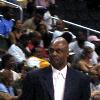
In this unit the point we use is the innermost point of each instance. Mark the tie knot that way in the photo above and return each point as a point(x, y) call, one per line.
point(59, 75)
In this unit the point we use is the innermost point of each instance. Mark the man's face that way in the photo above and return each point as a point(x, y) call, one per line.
point(8, 77)
point(60, 25)
point(58, 53)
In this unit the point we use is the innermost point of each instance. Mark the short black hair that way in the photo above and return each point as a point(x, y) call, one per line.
point(67, 36)
point(5, 58)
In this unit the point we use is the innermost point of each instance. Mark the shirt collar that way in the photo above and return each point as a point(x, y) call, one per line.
point(63, 72)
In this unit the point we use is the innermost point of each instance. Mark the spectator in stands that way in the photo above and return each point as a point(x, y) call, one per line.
point(6, 83)
point(18, 24)
point(31, 24)
point(25, 44)
point(6, 23)
point(96, 41)
point(48, 20)
point(15, 35)
point(84, 63)
point(29, 45)
point(16, 49)
point(78, 45)
point(37, 41)
point(46, 36)
point(8, 63)
point(59, 29)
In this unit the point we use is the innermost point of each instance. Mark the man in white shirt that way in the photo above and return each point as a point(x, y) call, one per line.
point(57, 81)
point(78, 45)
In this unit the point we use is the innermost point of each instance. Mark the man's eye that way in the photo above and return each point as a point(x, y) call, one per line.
point(51, 50)
point(57, 50)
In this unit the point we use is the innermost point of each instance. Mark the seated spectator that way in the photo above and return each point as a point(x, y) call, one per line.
point(6, 23)
point(59, 29)
point(78, 45)
point(84, 63)
point(29, 45)
point(48, 19)
point(15, 35)
point(46, 36)
point(18, 24)
point(96, 41)
point(8, 63)
point(39, 50)
point(6, 83)
point(18, 50)
point(31, 24)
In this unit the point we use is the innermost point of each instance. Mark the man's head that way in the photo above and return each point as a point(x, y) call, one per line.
point(81, 37)
point(7, 77)
point(8, 13)
point(60, 25)
point(8, 61)
point(58, 53)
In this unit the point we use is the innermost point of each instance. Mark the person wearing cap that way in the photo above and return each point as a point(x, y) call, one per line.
point(93, 38)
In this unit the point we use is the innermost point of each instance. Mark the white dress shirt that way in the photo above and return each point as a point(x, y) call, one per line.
point(59, 78)
point(15, 51)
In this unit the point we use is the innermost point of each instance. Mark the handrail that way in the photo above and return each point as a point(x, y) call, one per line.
point(88, 29)
point(73, 24)
point(17, 6)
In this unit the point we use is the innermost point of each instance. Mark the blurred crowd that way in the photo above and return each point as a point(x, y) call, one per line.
point(27, 48)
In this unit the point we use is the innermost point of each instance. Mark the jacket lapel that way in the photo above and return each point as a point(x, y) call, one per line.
point(69, 84)
point(48, 81)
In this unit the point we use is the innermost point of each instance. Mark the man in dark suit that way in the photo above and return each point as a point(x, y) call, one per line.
point(58, 81)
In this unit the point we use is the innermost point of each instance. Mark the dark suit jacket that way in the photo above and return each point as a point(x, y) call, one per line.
point(38, 85)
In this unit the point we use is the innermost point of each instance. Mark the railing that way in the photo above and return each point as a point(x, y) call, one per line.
point(77, 25)
point(16, 6)
point(70, 23)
